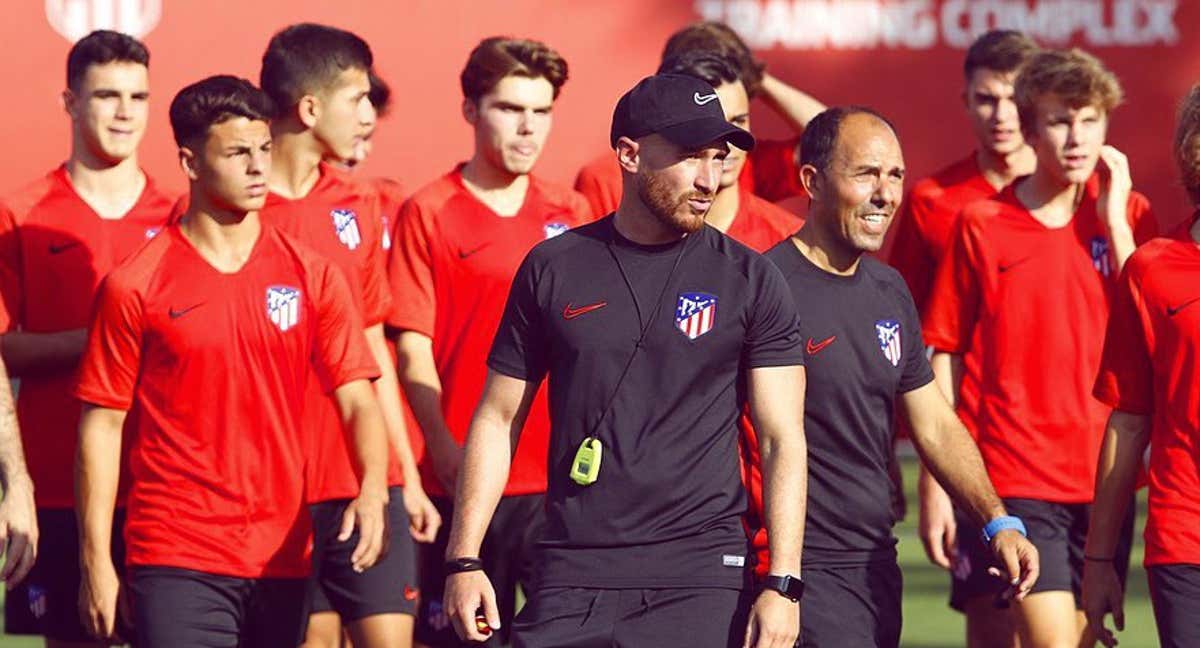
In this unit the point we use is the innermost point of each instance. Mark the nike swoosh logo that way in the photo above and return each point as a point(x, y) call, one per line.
point(1006, 267)
point(176, 314)
point(703, 99)
point(59, 249)
point(570, 312)
point(814, 349)
point(462, 254)
point(1172, 312)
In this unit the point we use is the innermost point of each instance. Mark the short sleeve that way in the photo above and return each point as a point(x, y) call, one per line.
point(916, 373)
point(12, 292)
point(340, 353)
point(776, 172)
point(519, 349)
point(111, 361)
point(953, 305)
point(910, 254)
point(376, 296)
point(773, 329)
point(602, 197)
point(410, 273)
point(1126, 378)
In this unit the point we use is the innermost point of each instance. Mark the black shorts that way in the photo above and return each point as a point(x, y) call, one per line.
point(852, 607)
point(47, 602)
point(509, 559)
point(1175, 594)
point(388, 587)
point(180, 607)
point(577, 617)
point(1059, 532)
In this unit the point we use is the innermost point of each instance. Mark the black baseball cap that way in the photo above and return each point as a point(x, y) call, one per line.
point(681, 108)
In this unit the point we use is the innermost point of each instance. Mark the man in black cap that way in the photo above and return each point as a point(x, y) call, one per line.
point(654, 330)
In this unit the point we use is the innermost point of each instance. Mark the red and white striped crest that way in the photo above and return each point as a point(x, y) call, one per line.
point(695, 313)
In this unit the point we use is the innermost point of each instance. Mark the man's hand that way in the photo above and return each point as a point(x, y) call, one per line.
point(1102, 594)
point(937, 528)
point(447, 457)
point(423, 517)
point(1115, 187)
point(1020, 560)
point(368, 513)
point(18, 529)
point(774, 622)
point(466, 595)
point(100, 597)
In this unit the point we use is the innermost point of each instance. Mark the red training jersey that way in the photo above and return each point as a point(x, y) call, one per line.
point(1151, 366)
point(54, 250)
point(759, 224)
point(213, 369)
point(771, 172)
point(452, 262)
point(1035, 300)
point(923, 233)
point(340, 219)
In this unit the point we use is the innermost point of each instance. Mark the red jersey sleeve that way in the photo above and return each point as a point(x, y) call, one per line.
point(410, 272)
point(775, 168)
point(953, 302)
point(1126, 376)
point(11, 293)
point(910, 254)
point(109, 370)
point(377, 299)
point(1141, 218)
point(341, 353)
point(597, 188)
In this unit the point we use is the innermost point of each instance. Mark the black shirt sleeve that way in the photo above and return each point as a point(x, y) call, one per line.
point(519, 348)
point(917, 372)
point(773, 332)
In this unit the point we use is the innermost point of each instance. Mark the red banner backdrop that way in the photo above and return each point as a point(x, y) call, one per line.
point(902, 57)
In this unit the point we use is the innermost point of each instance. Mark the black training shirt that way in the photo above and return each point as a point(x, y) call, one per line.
point(863, 348)
point(665, 511)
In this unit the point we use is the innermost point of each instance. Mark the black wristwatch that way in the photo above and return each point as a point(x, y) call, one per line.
point(791, 587)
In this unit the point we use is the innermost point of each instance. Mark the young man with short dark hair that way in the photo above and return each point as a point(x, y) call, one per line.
point(58, 237)
point(458, 243)
point(1026, 280)
point(206, 340)
point(319, 78)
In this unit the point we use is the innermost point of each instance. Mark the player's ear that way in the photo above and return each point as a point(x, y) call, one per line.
point(470, 110)
point(810, 179)
point(308, 110)
point(187, 162)
point(68, 100)
point(628, 152)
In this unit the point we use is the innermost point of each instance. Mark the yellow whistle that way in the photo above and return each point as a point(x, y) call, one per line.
point(586, 467)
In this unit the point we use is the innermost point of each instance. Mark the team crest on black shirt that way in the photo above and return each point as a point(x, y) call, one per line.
point(695, 313)
point(554, 229)
point(345, 223)
point(283, 306)
point(888, 332)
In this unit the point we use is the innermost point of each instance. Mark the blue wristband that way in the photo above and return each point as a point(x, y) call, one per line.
point(1002, 523)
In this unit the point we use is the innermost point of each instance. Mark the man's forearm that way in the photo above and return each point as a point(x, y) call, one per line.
point(785, 477)
point(40, 353)
point(481, 483)
point(951, 456)
point(387, 393)
point(97, 472)
point(1125, 439)
point(422, 386)
point(795, 106)
point(370, 444)
point(12, 453)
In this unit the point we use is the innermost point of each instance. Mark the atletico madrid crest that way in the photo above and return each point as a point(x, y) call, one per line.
point(283, 306)
point(1100, 257)
point(695, 313)
point(345, 223)
point(888, 332)
point(554, 229)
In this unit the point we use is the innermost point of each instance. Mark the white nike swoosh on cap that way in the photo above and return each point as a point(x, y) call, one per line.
point(703, 99)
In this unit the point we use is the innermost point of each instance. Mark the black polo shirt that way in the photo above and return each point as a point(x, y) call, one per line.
point(863, 344)
point(665, 510)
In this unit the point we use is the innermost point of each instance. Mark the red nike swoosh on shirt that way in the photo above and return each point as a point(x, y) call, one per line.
point(814, 349)
point(571, 313)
